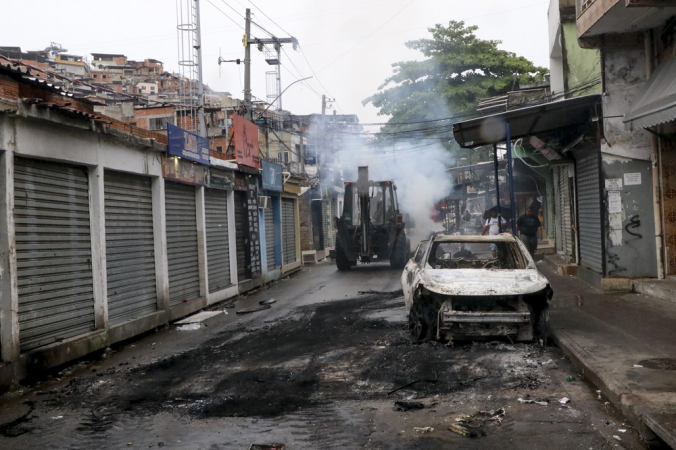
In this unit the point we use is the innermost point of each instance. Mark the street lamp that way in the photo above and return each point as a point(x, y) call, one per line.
point(280, 94)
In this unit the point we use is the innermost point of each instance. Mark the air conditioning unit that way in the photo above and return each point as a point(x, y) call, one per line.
point(263, 202)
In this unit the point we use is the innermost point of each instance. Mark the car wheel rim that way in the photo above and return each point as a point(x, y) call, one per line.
point(415, 321)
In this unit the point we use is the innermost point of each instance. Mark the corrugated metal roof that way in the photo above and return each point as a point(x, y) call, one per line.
point(657, 102)
point(527, 121)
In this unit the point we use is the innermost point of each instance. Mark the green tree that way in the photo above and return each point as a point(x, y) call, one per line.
point(458, 70)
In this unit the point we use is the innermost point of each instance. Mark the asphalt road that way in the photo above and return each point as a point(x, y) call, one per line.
point(323, 368)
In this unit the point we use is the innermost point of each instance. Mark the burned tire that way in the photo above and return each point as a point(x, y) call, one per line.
point(399, 255)
point(421, 322)
point(341, 259)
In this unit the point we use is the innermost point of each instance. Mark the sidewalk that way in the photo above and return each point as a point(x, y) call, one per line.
point(625, 344)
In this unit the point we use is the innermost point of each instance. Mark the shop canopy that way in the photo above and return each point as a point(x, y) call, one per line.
point(529, 121)
point(657, 102)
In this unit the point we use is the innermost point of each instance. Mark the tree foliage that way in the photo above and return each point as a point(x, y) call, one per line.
point(459, 69)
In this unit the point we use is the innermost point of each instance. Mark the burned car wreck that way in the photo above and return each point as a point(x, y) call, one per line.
point(469, 287)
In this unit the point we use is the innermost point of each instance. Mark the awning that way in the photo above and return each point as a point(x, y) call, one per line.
point(527, 121)
point(657, 102)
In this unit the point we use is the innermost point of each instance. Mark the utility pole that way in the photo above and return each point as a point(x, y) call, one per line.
point(247, 65)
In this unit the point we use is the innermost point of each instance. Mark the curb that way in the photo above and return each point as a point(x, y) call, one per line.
point(631, 405)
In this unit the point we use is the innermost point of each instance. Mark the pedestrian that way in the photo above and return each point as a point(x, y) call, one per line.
point(527, 227)
point(492, 228)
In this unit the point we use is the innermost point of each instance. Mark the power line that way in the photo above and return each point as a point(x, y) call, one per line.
point(372, 33)
point(286, 32)
point(222, 12)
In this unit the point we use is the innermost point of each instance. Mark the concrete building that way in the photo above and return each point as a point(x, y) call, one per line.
point(104, 236)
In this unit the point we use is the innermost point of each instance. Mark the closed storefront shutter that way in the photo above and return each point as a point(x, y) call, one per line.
point(184, 277)
point(241, 233)
point(130, 247)
point(218, 247)
point(589, 211)
point(566, 212)
point(53, 252)
point(270, 236)
point(288, 231)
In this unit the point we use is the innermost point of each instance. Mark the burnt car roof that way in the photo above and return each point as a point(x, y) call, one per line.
point(503, 237)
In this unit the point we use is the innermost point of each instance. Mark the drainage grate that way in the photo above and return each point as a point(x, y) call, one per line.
point(659, 363)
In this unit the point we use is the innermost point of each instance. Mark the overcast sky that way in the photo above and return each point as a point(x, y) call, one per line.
point(348, 46)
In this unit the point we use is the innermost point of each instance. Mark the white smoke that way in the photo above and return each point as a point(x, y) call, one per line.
point(417, 168)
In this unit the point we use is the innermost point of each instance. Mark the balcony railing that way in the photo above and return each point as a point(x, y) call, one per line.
point(583, 5)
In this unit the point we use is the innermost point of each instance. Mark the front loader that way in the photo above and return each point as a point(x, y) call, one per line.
point(371, 228)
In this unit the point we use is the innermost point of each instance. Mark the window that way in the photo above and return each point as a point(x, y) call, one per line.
point(219, 149)
point(159, 123)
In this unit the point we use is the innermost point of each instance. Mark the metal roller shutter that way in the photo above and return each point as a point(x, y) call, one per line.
point(130, 246)
point(53, 252)
point(270, 236)
point(566, 213)
point(184, 276)
point(589, 211)
point(218, 247)
point(241, 233)
point(288, 231)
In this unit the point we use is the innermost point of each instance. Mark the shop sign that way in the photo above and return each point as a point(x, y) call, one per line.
point(247, 152)
point(221, 179)
point(183, 170)
point(184, 144)
point(272, 176)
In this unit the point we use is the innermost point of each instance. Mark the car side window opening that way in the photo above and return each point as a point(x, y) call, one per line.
point(420, 252)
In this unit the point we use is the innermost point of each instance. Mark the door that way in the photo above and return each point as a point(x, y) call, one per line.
point(288, 231)
point(566, 212)
point(669, 203)
point(218, 246)
point(130, 246)
point(53, 252)
point(590, 228)
point(317, 224)
point(182, 256)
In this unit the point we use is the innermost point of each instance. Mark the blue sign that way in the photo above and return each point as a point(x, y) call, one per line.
point(272, 176)
point(185, 144)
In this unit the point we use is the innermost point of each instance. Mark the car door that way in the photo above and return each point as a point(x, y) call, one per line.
point(409, 275)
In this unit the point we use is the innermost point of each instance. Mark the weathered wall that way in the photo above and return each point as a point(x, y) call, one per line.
point(630, 223)
point(581, 66)
point(625, 74)
point(305, 216)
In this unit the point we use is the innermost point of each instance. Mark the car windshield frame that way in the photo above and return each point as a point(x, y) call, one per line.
point(479, 254)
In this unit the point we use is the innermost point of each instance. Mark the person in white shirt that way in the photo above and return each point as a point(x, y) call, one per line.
point(492, 228)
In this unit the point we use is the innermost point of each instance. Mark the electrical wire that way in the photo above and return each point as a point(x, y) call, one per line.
point(222, 12)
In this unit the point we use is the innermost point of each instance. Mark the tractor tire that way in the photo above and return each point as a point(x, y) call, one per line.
point(341, 259)
point(399, 255)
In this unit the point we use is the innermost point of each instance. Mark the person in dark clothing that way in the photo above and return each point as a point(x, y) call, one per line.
point(527, 227)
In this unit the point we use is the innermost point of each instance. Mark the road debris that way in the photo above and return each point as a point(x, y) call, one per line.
point(616, 437)
point(269, 301)
point(189, 327)
point(408, 406)
point(423, 430)
point(414, 382)
point(267, 447)
point(371, 291)
point(570, 378)
point(479, 419)
point(254, 309)
point(461, 430)
point(539, 401)
point(57, 417)
point(564, 400)
point(638, 366)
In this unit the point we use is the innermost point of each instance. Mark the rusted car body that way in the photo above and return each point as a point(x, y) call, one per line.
point(467, 287)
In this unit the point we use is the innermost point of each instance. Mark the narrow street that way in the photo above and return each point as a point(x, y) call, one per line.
point(324, 367)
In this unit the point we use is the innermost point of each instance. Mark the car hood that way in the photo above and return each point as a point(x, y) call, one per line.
point(483, 281)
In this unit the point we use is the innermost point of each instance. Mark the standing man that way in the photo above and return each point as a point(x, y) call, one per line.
point(492, 228)
point(527, 227)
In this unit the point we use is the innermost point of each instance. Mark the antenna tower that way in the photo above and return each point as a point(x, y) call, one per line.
point(191, 90)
